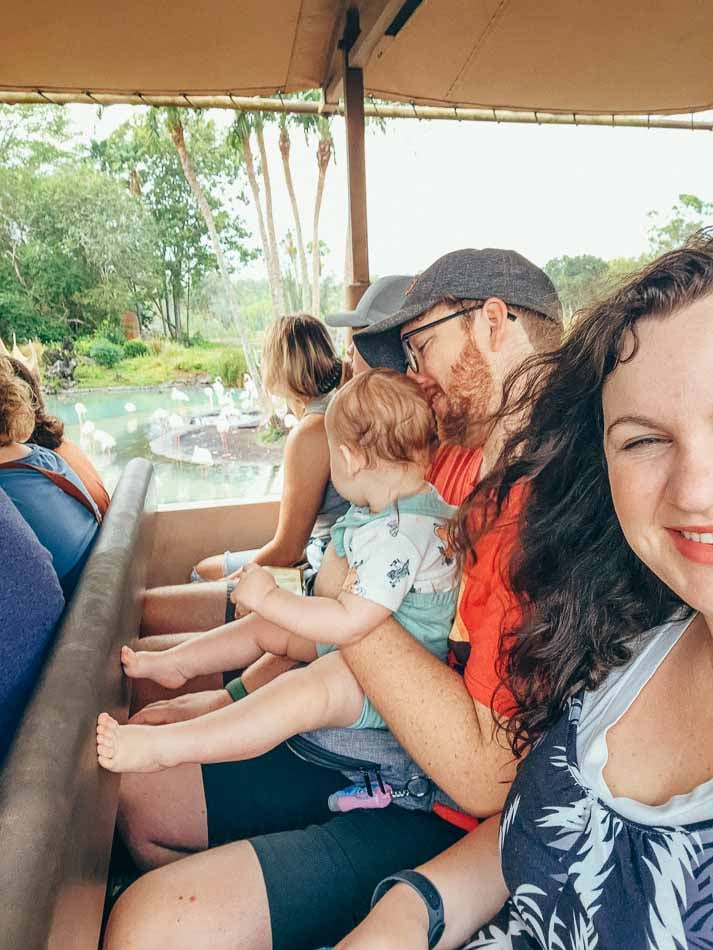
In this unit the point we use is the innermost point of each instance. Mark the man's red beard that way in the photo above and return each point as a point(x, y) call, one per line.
point(463, 411)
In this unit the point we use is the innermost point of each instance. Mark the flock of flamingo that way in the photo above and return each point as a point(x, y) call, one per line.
point(224, 413)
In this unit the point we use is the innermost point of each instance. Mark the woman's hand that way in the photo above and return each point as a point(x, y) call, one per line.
point(398, 922)
point(254, 584)
point(181, 708)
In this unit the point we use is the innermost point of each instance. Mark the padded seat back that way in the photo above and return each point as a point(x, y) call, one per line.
point(57, 807)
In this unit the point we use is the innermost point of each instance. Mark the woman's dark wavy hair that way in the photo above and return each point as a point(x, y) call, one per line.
point(586, 596)
point(49, 430)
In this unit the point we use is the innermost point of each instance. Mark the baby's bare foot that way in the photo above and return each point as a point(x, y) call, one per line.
point(159, 666)
point(128, 748)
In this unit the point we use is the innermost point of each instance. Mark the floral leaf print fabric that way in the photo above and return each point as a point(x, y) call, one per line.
point(582, 877)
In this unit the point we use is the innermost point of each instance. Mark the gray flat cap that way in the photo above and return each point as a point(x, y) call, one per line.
point(384, 297)
point(468, 274)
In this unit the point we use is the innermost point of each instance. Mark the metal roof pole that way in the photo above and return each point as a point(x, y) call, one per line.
point(356, 279)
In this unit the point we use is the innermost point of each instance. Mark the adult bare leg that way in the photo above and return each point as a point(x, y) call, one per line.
point(162, 816)
point(211, 568)
point(183, 607)
point(211, 901)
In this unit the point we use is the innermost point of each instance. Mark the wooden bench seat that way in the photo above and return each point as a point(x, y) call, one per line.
point(57, 808)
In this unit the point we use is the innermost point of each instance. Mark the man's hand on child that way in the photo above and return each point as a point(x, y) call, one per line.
point(254, 584)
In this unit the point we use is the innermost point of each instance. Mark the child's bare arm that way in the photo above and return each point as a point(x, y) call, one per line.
point(342, 621)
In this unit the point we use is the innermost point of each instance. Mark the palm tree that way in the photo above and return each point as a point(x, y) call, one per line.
point(240, 138)
point(285, 120)
point(259, 124)
point(176, 131)
point(325, 147)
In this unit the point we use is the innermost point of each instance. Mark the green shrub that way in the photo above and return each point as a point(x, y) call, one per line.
point(155, 345)
point(134, 348)
point(106, 353)
point(84, 344)
point(195, 339)
point(110, 330)
point(231, 368)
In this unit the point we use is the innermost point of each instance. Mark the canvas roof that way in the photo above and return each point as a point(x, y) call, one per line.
point(583, 56)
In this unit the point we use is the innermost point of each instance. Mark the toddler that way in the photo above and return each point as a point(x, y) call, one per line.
point(394, 537)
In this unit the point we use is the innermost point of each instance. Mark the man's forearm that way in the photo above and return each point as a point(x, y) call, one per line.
point(429, 710)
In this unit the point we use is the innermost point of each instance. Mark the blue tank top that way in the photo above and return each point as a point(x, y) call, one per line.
point(583, 876)
point(62, 524)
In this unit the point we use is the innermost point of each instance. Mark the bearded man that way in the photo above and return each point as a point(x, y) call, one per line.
point(296, 876)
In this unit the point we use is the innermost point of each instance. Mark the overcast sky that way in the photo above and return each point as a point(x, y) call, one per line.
point(436, 186)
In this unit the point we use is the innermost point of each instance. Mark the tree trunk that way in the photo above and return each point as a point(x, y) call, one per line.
point(176, 130)
point(254, 188)
point(270, 221)
point(299, 240)
point(188, 312)
point(324, 154)
point(176, 295)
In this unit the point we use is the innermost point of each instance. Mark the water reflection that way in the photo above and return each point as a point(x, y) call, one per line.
point(125, 418)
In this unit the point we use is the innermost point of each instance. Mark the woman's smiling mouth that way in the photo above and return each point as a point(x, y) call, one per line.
point(695, 542)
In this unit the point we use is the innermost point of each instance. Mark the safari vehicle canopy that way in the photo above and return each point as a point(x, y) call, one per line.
point(613, 61)
point(572, 59)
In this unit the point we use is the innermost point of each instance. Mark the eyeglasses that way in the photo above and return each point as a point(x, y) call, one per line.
point(411, 354)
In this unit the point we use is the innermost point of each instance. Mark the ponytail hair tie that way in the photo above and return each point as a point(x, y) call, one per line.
point(331, 380)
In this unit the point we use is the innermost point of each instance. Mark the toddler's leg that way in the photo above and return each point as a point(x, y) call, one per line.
point(232, 646)
point(325, 693)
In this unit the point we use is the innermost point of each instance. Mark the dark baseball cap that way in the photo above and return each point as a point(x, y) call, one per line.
point(384, 297)
point(468, 274)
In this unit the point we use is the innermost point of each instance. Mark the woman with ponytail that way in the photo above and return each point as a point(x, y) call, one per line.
point(300, 365)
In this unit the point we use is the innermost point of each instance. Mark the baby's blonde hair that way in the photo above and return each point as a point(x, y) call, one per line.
point(298, 358)
point(385, 416)
point(17, 406)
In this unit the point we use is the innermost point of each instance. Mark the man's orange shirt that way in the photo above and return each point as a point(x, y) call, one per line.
point(486, 605)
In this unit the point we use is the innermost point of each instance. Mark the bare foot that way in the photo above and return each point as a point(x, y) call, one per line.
point(129, 748)
point(159, 666)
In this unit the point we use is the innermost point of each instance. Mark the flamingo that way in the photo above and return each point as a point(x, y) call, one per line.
point(104, 440)
point(209, 393)
point(221, 427)
point(129, 407)
point(160, 416)
point(178, 395)
point(176, 425)
point(219, 389)
point(81, 411)
point(202, 457)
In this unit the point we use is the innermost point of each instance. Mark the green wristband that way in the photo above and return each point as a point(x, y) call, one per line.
point(236, 689)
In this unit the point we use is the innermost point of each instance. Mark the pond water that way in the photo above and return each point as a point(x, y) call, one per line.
point(245, 469)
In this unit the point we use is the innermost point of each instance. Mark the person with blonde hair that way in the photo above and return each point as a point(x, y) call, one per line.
point(382, 436)
point(300, 365)
point(45, 490)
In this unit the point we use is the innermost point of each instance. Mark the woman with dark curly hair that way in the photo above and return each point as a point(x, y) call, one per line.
point(606, 838)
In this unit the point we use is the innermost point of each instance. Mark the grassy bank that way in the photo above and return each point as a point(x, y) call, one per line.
point(175, 363)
